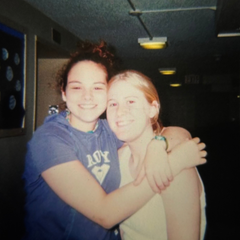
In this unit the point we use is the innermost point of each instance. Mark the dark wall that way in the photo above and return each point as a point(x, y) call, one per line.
point(22, 17)
point(212, 113)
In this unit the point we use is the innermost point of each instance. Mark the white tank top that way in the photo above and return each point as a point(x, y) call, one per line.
point(149, 222)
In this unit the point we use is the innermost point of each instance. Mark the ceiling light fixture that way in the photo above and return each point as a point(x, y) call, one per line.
point(229, 34)
point(175, 84)
point(154, 43)
point(137, 12)
point(167, 71)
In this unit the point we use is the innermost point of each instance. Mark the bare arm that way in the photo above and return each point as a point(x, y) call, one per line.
point(182, 205)
point(76, 186)
point(157, 169)
point(175, 136)
point(186, 155)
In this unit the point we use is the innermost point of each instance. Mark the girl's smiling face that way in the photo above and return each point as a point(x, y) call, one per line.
point(86, 94)
point(128, 111)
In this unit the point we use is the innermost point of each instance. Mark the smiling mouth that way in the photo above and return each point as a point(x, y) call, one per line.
point(124, 123)
point(87, 106)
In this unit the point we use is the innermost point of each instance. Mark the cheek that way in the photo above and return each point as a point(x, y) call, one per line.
point(67, 96)
point(71, 97)
point(102, 98)
point(110, 116)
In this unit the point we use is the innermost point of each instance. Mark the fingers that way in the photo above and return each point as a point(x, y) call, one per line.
point(201, 146)
point(156, 187)
point(202, 161)
point(203, 154)
point(140, 177)
point(161, 181)
point(191, 153)
point(157, 181)
point(196, 140)
point(169, 174)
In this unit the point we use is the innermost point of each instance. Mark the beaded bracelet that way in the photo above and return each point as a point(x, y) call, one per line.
point(161, 138)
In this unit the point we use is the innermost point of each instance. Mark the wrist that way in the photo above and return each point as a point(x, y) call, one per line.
point(162, 139)
point(157, 148)
point(175, 165)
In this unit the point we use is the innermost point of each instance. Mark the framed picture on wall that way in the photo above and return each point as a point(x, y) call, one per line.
point(12, 81)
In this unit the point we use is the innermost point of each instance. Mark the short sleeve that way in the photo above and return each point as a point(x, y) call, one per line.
point(47, 150)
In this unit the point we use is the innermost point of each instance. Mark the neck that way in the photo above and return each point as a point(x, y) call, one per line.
point(138, 149)
point(84, 127)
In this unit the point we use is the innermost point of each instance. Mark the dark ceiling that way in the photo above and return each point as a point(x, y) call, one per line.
point(191, 28)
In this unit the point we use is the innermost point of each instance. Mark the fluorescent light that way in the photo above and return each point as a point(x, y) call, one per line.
point(175, 84)
point(229, 34)
point(154, 43)
point(167, 71)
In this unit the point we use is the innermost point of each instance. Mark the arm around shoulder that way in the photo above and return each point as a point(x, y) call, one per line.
point(175, 136)
point(77, 187)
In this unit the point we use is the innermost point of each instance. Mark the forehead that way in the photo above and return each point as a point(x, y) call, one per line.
point(88, 70)
point(123, 88)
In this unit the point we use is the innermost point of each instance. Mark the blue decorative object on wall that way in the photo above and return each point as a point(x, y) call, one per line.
point(12, 78)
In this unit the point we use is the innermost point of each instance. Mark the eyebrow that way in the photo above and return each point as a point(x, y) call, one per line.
point(112, 99)
point(75, 81)
point(131, 97)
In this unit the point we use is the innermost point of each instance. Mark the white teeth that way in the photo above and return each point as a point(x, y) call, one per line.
point(88, 106)
point(123, 123)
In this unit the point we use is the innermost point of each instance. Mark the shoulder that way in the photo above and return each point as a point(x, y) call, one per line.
point(54, 123)
point(176, 131)
point(51, 132)
point(49, 129)
point(105, 125)
point(175, 136)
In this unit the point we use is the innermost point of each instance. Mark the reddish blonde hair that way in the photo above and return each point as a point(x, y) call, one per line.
point(145, 85)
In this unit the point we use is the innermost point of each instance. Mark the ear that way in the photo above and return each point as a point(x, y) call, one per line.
point(64, 96)
point(154, 109)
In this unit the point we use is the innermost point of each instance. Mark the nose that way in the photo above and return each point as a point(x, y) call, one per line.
point(121, 110)
point(87, 95)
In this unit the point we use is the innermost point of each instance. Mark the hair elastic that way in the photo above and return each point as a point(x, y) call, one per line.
point(161, 138)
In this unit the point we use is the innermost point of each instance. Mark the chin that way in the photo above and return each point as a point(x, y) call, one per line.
point(123, 136)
